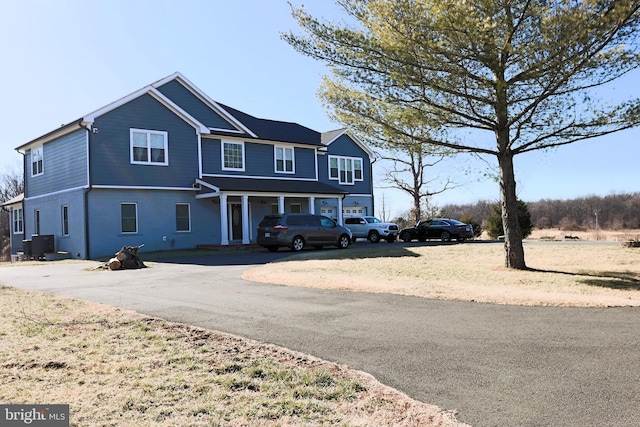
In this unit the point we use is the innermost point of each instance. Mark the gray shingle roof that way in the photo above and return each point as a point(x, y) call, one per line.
point(272, 186)
point(273, 130)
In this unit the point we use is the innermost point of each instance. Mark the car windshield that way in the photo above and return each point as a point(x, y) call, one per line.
point(372, 220)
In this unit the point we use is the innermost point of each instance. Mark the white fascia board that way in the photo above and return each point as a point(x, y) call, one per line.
point(56, 133)
point(205, 98)
point(206, 184)
point(140, 187)
point(201, 128)
point(240, 138)
point(89, 119)
point(284, 194)
point(370, 153)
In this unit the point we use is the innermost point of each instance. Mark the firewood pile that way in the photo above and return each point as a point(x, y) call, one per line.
point(126, 258)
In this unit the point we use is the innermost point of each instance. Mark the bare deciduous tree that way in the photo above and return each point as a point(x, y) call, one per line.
point(525, 75)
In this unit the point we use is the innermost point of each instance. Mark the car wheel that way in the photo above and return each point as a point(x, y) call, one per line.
point(353, 240)
point(272, 248)
point(405, 237)
point(297, 244)
point(343, 242)
point(391, 239)
point(445, 236)
point(374, 237)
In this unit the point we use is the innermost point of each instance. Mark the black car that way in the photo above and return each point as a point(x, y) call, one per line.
point(295, 231)
point(443, 229)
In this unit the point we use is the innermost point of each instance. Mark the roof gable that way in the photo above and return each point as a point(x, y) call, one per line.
point(207, 116)
point(330, 137)
point(188, 101)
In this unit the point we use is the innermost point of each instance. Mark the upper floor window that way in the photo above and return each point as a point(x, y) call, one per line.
point(345, 169)
point(232, 155)
point(149, 147)
point(284, 159)
point(36, 161)
point(18, 221)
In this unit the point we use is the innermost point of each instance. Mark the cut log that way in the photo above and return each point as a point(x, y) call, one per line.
point(114, 264)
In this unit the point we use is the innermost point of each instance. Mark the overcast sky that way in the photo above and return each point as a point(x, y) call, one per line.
point(63, 59)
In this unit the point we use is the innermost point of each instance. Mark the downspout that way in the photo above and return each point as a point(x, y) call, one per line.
point(86, 193)
point(24, 192)
point(373, 199)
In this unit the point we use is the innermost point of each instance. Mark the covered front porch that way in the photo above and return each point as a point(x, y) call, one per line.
point(243, 202)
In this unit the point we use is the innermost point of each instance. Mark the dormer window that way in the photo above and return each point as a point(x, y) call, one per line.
point(149, 147)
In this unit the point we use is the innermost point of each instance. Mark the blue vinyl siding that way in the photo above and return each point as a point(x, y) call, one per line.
point(345, 146)
point(110, 147)
point(50, 208)
point(156, 220)
point(259, 161)
point(211, 156)
point(64, 165)
point(192, 104)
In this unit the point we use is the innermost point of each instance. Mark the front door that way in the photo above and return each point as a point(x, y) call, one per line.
point(235, 221)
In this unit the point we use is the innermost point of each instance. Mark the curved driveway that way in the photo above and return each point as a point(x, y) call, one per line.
point(496, 365)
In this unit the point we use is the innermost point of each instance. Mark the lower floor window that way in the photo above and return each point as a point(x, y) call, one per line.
point(65, 220)
point(18, 224)
point(36, 221)
point(183, 217)
point(129, 217)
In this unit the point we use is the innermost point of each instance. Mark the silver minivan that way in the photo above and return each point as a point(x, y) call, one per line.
point(296, 231)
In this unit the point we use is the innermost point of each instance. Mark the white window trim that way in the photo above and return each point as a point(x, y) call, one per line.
point(62, 209)
point(353, 170)
point(15, 222)
point(188, 215)
point(36, 221)
point(129, 232)
point(361, 169)
point(40, 151)
point(224, 168)
point(275, 159)
point(165, 137)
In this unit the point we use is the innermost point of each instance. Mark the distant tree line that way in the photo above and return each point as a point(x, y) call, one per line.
point(11, 185)
point(613, 212)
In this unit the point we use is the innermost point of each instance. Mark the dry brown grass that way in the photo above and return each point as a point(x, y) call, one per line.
point(561, 274)
point(118, 368)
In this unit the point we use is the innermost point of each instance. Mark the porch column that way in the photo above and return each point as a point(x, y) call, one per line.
point(312, 205)
point(224, 221)
point(245, 220)
point(340, 211)
point(280, 204)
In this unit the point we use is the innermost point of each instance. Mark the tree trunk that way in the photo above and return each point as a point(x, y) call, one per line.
point(417, 209)
point(514, 250)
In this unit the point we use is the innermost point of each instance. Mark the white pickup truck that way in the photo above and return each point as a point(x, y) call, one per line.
point(371, 228)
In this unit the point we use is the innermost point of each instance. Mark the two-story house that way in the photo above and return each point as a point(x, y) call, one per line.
point(170, 168)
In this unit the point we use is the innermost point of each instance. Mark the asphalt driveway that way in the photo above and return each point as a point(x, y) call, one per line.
point(495, 365)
